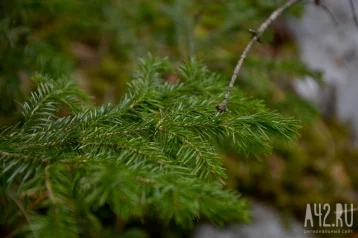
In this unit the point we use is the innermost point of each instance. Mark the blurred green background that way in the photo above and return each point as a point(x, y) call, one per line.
point(98, 43)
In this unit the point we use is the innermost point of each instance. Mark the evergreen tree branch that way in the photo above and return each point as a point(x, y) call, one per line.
point(60, 221)
point(222, 107)
point(158, 156)
point(164, 194)
point(45, 101)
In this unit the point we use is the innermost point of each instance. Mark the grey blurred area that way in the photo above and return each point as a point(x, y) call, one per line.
point(327, 37)
point(266, 222)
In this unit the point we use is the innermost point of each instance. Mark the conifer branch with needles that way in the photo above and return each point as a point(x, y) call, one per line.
point(222, 107)
point(156, 152)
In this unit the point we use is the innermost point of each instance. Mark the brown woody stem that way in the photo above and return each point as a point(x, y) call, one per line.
point(222, 107)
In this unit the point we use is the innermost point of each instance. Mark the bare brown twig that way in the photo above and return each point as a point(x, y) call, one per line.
point(222, 107)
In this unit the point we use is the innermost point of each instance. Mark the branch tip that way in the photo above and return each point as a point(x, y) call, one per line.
point(256, 34)
point(220, 108)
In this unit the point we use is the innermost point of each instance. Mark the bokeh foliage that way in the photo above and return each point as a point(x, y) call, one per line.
point(98, 43)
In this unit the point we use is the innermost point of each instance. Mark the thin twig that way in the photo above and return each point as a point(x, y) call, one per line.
point(222, 107)
point(327, 10)
point(355, 18)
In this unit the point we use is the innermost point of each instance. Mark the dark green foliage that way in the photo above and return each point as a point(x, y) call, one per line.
point(74, 149)
point(44, 103)
point(102, 39)
point(154, 155)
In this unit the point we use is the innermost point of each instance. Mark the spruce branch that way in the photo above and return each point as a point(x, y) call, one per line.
point(159, 156)
point(222, 107)
point(45, 101)
point(182, 200)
